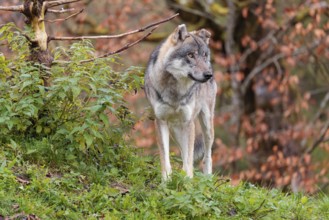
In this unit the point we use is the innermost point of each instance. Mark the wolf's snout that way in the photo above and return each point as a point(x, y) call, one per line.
point(207, 75)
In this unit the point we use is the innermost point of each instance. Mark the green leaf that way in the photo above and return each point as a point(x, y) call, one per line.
point(31, 151)
point(13, 144)
point(76, 91)
point(113, 192)
point(12, 163)
point(39, 129)
point(25, 84)
point(304, 200)
point(97, 108)
point(89, 139)
point(104, 119)
point(25, 76)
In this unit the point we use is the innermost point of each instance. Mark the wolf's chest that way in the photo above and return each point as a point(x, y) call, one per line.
point(174, 114)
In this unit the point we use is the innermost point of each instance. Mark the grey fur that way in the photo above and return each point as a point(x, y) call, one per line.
point(198, 148)
point(180, 87)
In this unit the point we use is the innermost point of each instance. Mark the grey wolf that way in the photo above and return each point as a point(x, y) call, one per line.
point(180, 87)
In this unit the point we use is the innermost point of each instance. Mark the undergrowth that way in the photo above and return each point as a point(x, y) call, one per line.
point(135, 191)
point(63, 153)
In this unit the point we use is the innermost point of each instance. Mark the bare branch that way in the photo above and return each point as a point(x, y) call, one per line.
point(59, 2)
point(122, 48)
point(320, 5)
point(320, 139)
point(61, 11)
point(192, 11)
point(280, 31)
point(18, 8)
point(250, 50)
point(64, 19)
point(50, 4)
point(28, 38)
point(320, 110)
point(274, 59)
point(323, 104)
point(115, 36)
point(278, 68)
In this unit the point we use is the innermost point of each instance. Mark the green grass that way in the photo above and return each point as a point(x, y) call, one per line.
point(134, 190)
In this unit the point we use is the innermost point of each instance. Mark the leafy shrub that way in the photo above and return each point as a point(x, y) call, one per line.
point(71, 117)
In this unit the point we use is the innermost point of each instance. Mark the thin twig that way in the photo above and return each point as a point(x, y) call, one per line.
point(122, 48)
point(28, 38)
point(61, 11)
point(323, 104)
point(192, 11)
point(18, 8)
point(278, 68)
point(317, 142)
point(59, 2)
point(321, 188)
point(320, 139)
point(259, 207)
point(224, 181)
point(250, 50)
point(319, 5)
point(274, 59)
point(271, 35)
point(64, 19)
point(115, 36)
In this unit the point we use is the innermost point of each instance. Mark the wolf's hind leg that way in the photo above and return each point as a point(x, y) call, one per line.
point(184, 135)
point(163, 144)
point(206, 121)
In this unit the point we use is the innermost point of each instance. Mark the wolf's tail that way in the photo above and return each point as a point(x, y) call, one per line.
point(198, 143)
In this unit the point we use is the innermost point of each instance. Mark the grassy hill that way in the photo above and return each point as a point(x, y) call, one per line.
point(132, 189)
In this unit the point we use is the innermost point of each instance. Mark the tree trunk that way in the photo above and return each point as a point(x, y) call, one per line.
point(35, 10)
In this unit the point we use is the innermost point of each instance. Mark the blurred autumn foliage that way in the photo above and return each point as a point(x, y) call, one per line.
point(273, 113)
point(271, 63)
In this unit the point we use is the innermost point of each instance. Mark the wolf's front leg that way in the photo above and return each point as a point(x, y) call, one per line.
point(184, 134)
point(206, 119)
point(163, 144)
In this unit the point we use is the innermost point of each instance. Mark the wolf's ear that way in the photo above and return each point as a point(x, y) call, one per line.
point(180, 34)
point(204, 35)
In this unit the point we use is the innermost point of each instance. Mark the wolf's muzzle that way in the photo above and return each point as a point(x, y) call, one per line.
point(207, 75)
point(205, 78)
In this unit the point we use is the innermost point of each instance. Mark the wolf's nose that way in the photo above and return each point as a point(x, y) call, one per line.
point(207, 75)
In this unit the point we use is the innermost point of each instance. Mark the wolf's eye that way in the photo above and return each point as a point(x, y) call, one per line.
point(190, 55)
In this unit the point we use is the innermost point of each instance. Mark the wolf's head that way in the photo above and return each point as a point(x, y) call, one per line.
point(188, 55)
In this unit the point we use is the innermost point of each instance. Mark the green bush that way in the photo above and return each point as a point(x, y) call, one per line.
point(70, 118)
